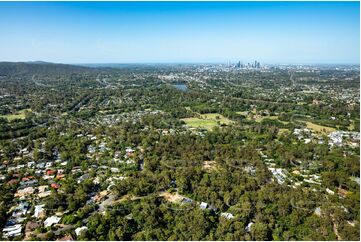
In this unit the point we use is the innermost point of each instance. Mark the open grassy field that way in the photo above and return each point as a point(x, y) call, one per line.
point(19, 115)
point(216, 117)
point(200, 123)
point(245, 113)
point(282, 131)
point(207, 121)
point(351, 127)
point(260, 118)
point(319, 128)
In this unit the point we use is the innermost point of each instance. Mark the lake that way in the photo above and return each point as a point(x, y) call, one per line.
point(181, 87)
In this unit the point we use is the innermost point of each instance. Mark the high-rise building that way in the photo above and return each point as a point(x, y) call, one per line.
point(257, 65)
point(254, 65)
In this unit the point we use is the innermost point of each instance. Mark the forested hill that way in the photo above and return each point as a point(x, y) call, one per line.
point(40, 68)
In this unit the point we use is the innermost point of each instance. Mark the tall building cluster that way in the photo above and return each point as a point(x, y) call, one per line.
point(255, 65)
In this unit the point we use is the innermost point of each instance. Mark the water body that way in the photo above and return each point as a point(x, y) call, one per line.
point(181, 87)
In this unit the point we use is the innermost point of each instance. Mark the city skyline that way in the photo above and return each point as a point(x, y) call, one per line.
point(181, 32)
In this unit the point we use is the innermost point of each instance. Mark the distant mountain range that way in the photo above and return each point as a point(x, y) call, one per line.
point(48, 68)
point(40, 67)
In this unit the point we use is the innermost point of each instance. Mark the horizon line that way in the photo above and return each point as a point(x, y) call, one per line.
point(186, 62)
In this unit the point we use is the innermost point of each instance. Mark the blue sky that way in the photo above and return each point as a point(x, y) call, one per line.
point(128, 32)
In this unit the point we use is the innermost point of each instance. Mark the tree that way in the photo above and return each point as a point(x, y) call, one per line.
point(260, 232)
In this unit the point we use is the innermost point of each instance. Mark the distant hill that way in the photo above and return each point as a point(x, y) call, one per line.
point(39, 62)
point(40, 68)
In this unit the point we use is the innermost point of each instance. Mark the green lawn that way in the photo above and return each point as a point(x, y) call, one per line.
point(244, 113)
point(19, 115)
point(351, 127)
point(319, 128)
point(260, 118)
point(207, 121)
point(216, 117)
point(282, 131)
point(200, 123)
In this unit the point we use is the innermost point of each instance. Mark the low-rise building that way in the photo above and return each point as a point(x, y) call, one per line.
point(39, 211)
point(227, 215)
point(80, 230)
point(24, 192)
point(51, 221)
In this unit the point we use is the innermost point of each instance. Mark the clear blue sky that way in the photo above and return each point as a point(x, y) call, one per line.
point(123, 32)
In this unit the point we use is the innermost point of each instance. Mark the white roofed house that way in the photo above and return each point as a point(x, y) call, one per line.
point(43, 191)
point(47, 177)
point(329, 191)
point(296, 131)
point(335, 139)
point(227, 215)
point(129, 152)
point(80, 230)
point(318, 211)
point(11, 231)
point(22, 207)
point(102, 147)
point(24, 192)
point(40, 165)
point(117, 154)
point(51, 221)
point(92, 137)
point(39, 211)
point(248, 228)
point(31, 164)
point(38, 172)
point(19, 213)
point(24, 151)
point(203, 205)
point(130, 161)
point(91, 149)
point(20, 166)
point(307, 141)
point(96, 180)
point(114, 169)
point(279, 174)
